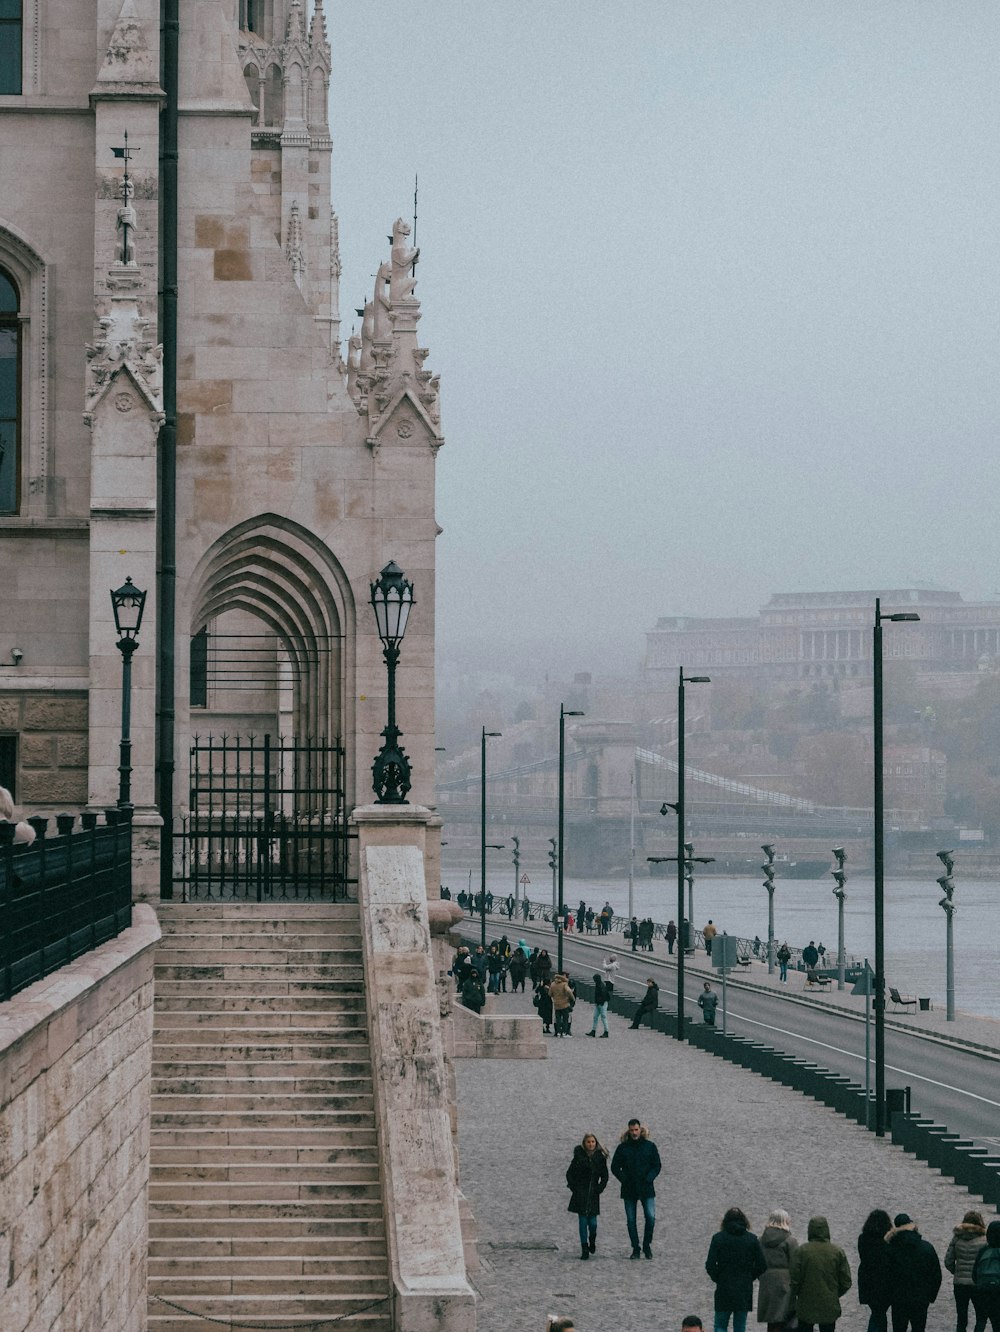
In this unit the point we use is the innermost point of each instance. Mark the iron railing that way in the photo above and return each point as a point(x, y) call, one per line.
point(61, 896)
point(268, 820)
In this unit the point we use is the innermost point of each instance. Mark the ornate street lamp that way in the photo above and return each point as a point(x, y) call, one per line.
point(564, 712)
point(482, 838)
point(128, 602)
point(392, 598)
point(880, 861)
point(947, 885)
point(768, 871)
point(840, 893)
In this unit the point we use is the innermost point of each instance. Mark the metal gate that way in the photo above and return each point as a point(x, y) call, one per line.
point(267, 820)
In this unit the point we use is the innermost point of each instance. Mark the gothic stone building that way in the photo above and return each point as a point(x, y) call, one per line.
point(274, 476)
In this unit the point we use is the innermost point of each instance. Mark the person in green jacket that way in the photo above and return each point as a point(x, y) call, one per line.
point(819, 1275)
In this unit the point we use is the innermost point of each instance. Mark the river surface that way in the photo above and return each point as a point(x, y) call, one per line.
point(804, 909)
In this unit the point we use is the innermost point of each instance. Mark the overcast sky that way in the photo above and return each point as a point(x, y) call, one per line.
point(712, 289)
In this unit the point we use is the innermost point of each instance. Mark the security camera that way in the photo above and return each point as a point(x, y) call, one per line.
point(16, 654)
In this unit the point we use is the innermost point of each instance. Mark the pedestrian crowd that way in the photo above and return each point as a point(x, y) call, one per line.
point(799, 1284)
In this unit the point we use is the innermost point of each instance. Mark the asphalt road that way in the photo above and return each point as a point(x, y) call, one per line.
point(954, 1087)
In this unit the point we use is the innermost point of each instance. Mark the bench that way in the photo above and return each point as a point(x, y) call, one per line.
point(901, 1001)
point(813, 978)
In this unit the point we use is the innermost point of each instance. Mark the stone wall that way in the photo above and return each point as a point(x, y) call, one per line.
point(52, 748)
point(75, 1054)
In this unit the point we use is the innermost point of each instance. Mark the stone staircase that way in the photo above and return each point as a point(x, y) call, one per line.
point(265, 1189)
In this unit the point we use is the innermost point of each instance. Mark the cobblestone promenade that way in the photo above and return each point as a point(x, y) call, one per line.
point(726, 1137)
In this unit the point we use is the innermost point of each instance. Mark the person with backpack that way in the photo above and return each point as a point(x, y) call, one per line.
point(986, 1279)
point(600, 1005)
point(960, 1258)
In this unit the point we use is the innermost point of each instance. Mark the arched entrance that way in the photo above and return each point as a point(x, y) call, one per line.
point(270, 716)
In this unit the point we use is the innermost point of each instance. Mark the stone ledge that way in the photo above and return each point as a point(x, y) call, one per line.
point(484, 1036)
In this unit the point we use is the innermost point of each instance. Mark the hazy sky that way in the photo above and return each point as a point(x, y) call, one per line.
point(712, 286)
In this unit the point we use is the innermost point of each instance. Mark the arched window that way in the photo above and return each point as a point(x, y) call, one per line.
point(10, 393)
point(252, 76)
point(11, 36)
point(274, 109)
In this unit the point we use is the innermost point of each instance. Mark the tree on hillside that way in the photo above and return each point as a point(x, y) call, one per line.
point(836, 768)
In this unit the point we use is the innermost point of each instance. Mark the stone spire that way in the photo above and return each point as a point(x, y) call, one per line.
point(388, 382)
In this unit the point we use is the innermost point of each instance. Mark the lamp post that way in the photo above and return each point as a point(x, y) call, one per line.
point(947, 885)
point(564, 712)
point(482, 837)
point(516, 857)
point(840, 893)
point(682, 680)
point(768, 870)
point(392, 599)
point(554, 867)
point(880, 860)
point(127, 602)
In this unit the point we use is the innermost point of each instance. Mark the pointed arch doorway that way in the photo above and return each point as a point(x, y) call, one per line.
point(270, 718)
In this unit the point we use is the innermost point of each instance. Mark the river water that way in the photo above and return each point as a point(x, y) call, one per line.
point(804, 909)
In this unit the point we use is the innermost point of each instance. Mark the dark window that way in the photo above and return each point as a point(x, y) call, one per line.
point(251, 16)
point(199, 669)
point(10, 47)
point(10, 391)
point(8, 763)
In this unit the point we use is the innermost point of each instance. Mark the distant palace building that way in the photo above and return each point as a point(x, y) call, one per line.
point(810, 635)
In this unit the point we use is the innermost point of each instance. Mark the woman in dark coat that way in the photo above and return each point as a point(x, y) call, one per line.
point(735, 1261)
point(587, 1177)
point(873, 1269)
point(543, 966)
point(774, 1301)
point(543, 1002)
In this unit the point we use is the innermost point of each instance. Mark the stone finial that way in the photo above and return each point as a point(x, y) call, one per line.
point(293, 244)
point(334, 245)
point(404, 257)
point(317, 28)
point(296, 29)
point(367, 336)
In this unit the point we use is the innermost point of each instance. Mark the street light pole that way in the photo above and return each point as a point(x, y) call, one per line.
point(880, 861)
point(564, 712)
point(482, 839)
point(392, 601)
point(517, 864)
point(947, 885)
point(127, 602)
point(768, 870)
point(840, 893)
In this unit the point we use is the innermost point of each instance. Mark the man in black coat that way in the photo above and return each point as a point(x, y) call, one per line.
point(648, 1004)
point(914, 1275)
point(635, 1165)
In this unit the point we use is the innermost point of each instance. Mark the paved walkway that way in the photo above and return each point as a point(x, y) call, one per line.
point(967, 1030)
point(726, 1136)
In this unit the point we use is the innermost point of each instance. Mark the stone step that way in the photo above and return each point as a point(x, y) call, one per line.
point(366, 1248)
point(230, 1155)
point(279, 1119)
point(252, 973)
point(322, 1018)
point(278, 987)
point(322, 1289)
point(257, 914)
point(346, 1136)
point(309, 1172)
point(195, 1191)
point(261, 1033)
point(162, 1318)
point(260, 1103)
point(244, 1052)
point(316, 1208)
point(177, 954)
point(188, 1069)
point(276, 931)
point(328, 1085)
point(266, 1267)
point(241, 1230)
point(192, 999)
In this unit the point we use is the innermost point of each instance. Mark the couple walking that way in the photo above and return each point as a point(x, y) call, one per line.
point(635, 1164)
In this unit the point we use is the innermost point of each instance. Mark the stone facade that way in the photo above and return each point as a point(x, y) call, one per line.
point(74, 1127)
point(300, 472)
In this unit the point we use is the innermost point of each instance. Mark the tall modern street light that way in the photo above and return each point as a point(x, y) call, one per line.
point(516, 856)
point(482, 838)
point(947, 885)
point(840, 893)
point(392, 600)
point(880, 861)
point(128, 603)
point(768, 870)
point(682, 849)
point(564, 712)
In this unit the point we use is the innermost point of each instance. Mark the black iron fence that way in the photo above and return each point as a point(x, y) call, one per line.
point(267, 820)
point(62, 895)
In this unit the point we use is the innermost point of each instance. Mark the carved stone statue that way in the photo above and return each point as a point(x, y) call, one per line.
point(127, 224)
point(404, 257)
point(383, 326)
